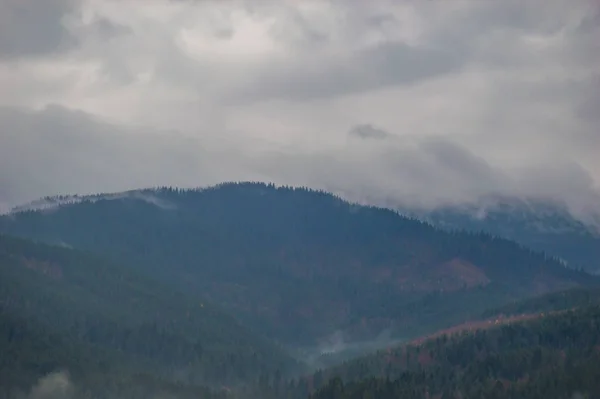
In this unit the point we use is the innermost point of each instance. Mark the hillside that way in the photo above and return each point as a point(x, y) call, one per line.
point(551, 302)
point(77, 296)
point(301, 265)
point(541, 225)
point(49, 365)
point(554, 356)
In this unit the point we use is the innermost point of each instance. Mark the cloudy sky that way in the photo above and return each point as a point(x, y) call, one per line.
point(417, 102)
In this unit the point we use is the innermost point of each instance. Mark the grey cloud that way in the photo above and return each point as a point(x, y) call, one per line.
point(386, 64)
point(474, 76)
point(457, 160)
point(434, 171)
point(368, 131)
point(223, 32)
point(554, 180)
point(589, 107)
point(381, 20)
point(298, 31)
point(467, 21)
point(59, 151)
point(32, 27)
point(106, 29)
point(449, 47)
point(590, 22)
point(426, 173)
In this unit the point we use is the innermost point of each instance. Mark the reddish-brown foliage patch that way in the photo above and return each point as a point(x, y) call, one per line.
point(425, 358)
point(477, 325)
point(458, 273)
point(449, 276)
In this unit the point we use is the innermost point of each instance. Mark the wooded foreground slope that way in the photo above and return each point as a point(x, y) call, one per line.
point(77, 297)
point(39, 364)
point(553, 356)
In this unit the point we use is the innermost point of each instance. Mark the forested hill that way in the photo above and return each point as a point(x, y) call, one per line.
point(50, 365)
point(82, 298)
point(299, 264)
point(553, 356)
point(551, 302)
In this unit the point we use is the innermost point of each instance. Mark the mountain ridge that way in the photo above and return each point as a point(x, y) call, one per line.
point(299, 263)
point(542, 225)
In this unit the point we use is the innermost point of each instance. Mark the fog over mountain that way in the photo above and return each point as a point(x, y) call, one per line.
point(414, 103)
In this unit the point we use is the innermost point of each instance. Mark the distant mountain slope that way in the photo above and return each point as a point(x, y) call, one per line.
point(78, 296)
point(554, 301)
point(540, 225)
point(299, 264)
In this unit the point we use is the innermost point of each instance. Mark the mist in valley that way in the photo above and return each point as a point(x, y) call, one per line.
point(338, 347)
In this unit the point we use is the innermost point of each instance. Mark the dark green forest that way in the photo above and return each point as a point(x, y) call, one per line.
point(83, 298)
point(31, 354)
point(553, 301)
point(554, 356)
point(297, 264)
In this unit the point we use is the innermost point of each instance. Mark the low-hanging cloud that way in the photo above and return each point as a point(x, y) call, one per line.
point(368, 131)
point(384, 65)
point(57, 151)
point(55, 385)
point(412, 103)
point(30, 28)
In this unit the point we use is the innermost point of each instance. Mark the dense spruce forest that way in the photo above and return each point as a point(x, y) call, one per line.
point(298, 265)
point(65, 296)
point(40, 364)
point(553, 356)
point(551, 302)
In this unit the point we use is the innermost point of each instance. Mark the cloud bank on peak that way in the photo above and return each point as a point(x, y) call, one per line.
point(420, 103)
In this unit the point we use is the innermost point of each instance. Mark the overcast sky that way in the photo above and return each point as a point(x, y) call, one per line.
point(419, 102)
